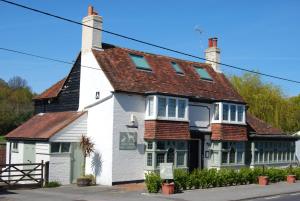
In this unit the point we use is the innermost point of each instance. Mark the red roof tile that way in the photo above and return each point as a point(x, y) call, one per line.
point(262, 128)
point(123, 75)
point(53, 91)
point(43, 126)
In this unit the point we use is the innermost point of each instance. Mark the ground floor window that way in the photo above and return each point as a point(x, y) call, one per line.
point(233, 153)
point(15, 146)
point(166, 152)
point(273, 152)
point(60, 147)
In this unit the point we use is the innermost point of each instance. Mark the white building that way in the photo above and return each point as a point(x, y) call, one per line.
point(143, 109)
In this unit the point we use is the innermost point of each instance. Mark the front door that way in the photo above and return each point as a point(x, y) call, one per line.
point(76, 162)
point(29, 152)
point(193, 154)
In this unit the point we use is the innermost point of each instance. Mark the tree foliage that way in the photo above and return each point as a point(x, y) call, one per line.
point(267, 102)
point(15, 103)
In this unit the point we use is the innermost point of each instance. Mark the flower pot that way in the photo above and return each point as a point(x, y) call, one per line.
point(168, 188)
point(291, 179)
point(263, 180)
point(84, 182)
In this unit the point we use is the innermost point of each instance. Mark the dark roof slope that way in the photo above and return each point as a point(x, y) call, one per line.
point(44, 125)
point(53, 91)
point(123, 75)
point(262, 128)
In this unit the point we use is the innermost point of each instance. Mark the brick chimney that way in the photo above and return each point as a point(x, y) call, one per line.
point(91, 38)
point(212, 53)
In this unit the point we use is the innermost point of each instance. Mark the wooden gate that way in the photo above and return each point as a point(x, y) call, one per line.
point(22, 174)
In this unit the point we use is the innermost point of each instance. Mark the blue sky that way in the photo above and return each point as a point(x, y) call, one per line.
point(259, 35)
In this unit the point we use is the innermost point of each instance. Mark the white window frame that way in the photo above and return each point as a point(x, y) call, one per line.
point(60, 146)
point(13, 148)
point(155, 116)
point(243, 122)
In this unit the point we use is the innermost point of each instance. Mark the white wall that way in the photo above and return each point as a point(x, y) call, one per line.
point(60, 168)
point(200, 116)
point(73, 132)
point(92, 80)
point(128, 164)
point(100, 129)
point(16, 157)
point(42, 152)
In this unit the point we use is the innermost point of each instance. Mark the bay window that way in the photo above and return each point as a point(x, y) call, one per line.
point(166, 108)
point(166, 152)
point(229, 113)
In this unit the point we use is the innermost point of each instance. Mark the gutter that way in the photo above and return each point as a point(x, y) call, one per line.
point(281, 136)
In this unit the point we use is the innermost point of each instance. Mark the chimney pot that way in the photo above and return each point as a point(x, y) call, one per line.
point(210, 42)
point(215, 42)
point(91, 10)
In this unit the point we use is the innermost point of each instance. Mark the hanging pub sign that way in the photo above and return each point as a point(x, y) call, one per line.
point(128, 141)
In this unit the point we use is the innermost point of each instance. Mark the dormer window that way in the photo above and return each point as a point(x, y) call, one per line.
point(140, 62)
point(229, 113)
point(177, 68)
point(166, 108)
point(204, 75)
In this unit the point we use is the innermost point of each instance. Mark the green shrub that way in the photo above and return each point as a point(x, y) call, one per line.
point(181, 179)
point(194, 179)
point(296, 172)
point(275, 175)
point(245, 176)
point(52, 184)
point(153, 182)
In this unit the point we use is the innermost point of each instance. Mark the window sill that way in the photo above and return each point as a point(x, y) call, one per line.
point(166, 119)
point(14, 151)
point(228, 122)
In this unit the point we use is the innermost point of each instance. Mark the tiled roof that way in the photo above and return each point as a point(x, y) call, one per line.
point(53, 91)
point(262, 128)
point(123, 75)
point(43, 126)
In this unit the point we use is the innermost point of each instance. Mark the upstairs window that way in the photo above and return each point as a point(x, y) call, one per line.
point(140, 62)
point(60, 147)
point(163, 107)
point(228, 113)
point(203, 73)
point(177, 68)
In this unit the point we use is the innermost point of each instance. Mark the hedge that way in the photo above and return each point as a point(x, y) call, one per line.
point(210, 178)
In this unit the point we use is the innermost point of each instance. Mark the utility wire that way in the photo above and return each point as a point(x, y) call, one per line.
point(45, 58)
point(147, 43)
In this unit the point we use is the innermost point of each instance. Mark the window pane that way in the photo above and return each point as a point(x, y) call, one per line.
point(172, 107)
point(140, 62)
point(181, 108)
point(240, 113)
point(149, 159)
point(216, 111)
point(170, 155)
point(225, 145)
point(150, 106)
point(232, 112)
point(160, 145)
point(15, 145)
point(225, 112)
point(270, 157)
point(55, 147)
point(232, 156)
point(239, 157)
point(160, 158)
point(65, 147)
point(256, 157)
point(177, 68)
point(224, 157)
point(162, 103)
point(203, 73)
point(181, 145)
point(149, 145)
point(261, 156)
point(180, 158)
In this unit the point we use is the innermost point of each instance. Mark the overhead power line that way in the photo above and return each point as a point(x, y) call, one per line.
point(44, 58)
point(147, 43)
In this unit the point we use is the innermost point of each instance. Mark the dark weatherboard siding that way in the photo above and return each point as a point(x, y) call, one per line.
point(68, 98)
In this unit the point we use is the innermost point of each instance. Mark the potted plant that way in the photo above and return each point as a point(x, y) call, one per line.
point(87, 147)
point(291, 177)
point(262, 179)
point(168, 187)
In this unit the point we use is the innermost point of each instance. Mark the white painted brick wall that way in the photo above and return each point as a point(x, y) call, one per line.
point(60, 168)
point(128, 164)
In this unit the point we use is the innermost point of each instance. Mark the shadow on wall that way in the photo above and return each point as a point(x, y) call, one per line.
point(97, 163)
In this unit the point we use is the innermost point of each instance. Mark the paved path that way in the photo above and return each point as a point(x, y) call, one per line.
point(100, 193)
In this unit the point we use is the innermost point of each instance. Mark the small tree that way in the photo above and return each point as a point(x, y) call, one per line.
point(87, 147)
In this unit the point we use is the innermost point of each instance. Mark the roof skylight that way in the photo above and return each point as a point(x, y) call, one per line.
point(140, 62)
point(203, 73)
point(177, 68)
